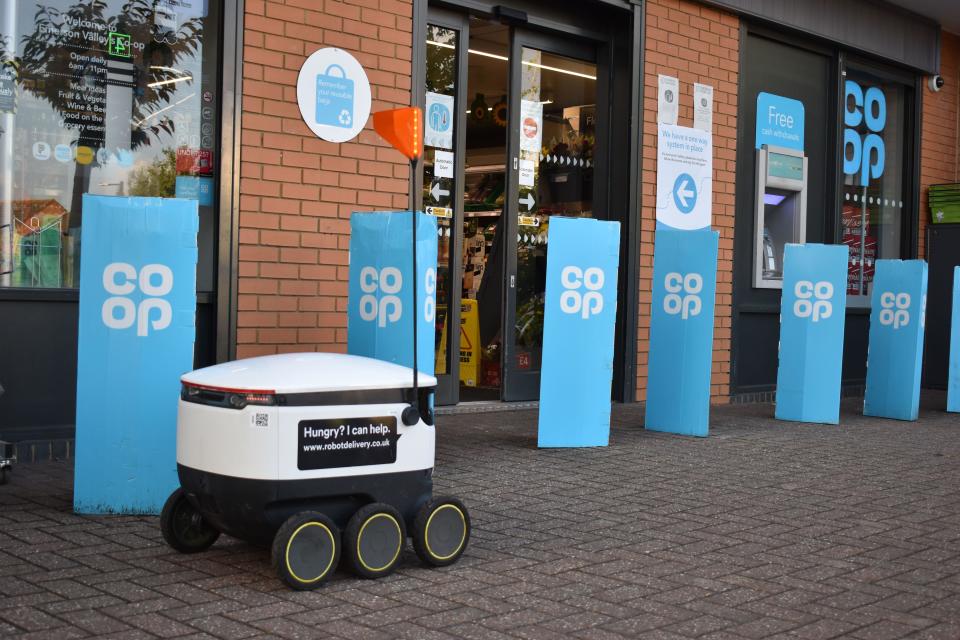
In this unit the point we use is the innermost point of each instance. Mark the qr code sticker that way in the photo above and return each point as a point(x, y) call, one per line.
point(261, 419)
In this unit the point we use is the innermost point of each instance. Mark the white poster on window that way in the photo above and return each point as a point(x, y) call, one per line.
point(684, 177)
point(703, 107)
point(443, 164)
point(531, 126)
point(438, 129)
point(668, 99)
point(527, 170)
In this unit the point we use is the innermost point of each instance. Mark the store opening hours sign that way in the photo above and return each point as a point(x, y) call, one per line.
point(684, 177)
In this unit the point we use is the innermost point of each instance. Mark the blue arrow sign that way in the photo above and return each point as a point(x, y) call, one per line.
point(685, 193)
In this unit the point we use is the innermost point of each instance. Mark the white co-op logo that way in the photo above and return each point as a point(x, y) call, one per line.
point(119, 312)
point(389, 308)
point(813, 300)
point(688, 304)
point(571, 300)
point(894, 309)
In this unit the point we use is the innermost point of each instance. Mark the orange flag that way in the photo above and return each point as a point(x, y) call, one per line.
point(402, 128)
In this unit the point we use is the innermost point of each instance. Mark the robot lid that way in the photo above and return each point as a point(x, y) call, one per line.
point(306, 373)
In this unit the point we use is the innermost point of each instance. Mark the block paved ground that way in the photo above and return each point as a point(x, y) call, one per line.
point(763, 530)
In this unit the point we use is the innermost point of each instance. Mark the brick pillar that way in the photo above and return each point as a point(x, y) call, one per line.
point(297, 191)
point(939, 137)
point(695, 44)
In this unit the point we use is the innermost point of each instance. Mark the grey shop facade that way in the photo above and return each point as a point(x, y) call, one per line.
point(169, 120)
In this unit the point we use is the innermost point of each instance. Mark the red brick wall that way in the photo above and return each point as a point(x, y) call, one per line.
point(939, 137)
point(695, 44)
point(297, 191)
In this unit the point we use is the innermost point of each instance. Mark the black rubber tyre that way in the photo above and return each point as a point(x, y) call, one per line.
point(373, 540)
point(305, 550)
point(441, 531)
point(183, 527)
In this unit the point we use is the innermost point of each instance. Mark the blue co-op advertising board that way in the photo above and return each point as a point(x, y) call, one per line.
point(681, 331)
point(895, 354)
point(953, 384)
point(379, 318)
point(812, 317)
point(137, 310)
point(579, 316)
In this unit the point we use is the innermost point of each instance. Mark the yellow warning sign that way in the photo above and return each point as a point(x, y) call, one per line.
point(469, 343)
point(441, 355)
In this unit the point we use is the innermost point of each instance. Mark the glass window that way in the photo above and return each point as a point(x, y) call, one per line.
point(874, 197)
point(109, 97)
point(438, 169)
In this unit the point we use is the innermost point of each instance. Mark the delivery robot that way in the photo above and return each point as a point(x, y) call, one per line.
point(320, 455)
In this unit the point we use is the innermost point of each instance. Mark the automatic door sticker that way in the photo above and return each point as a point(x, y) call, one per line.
point(335, 97)
point(333, 94)
point(346, 442)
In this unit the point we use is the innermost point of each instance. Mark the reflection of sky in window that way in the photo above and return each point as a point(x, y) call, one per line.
point(36, 120)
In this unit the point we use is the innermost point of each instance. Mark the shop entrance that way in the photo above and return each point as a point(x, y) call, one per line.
point(511, 139)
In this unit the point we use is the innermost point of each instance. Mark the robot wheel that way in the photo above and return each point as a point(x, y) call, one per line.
point(306, 549)
point(441, 531)
point(184, 527)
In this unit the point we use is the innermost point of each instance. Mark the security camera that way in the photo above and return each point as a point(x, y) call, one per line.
point(935, 83)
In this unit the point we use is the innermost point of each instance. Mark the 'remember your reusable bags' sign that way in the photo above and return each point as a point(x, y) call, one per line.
point(137, 309)
point(895, 353)
point(579, 316)
point(333, 93)
point(681, 331)
point(953, 373)
point(812, 317)
point(380, 317)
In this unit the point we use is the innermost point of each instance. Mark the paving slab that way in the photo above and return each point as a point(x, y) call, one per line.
point(765, 529)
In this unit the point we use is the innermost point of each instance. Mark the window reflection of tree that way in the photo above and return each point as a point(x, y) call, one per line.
point(45, 73)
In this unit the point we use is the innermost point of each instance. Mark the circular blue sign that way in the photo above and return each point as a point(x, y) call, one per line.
point(439, 117)
point(685, 193)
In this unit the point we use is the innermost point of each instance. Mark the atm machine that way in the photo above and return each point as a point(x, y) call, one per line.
point(780, 211)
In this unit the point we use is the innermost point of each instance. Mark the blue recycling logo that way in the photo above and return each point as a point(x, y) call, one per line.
point(685, 193)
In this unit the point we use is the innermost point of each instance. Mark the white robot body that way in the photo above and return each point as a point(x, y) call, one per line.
point(263, 438)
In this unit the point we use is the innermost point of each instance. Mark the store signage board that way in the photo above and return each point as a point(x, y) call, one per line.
point(579, 317)
point(681, 331)
point(438, 121)
point(684, 177)
point(779, 122)
point(703, 107)
point(333, 94)
point(812, 317)
point(895, 351)
point(138, 302)
point(953, 384)
point(668, 99)
point(380, 289)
